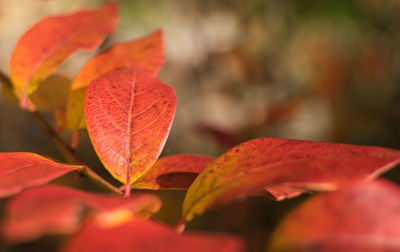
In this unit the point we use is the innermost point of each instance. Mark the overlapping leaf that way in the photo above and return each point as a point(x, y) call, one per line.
point(179, 172)
point(173, 172)
point(137, 235)
point(75, 109)
point(19, 170)
point(52, 94)
point(51, 41)
point(264, 162)
point(362, 217)
point(55, 209)
point(148, 52)
point(129, 114)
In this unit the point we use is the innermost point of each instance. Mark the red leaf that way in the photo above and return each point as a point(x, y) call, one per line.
point(148, 52)
point(281, 192)
point(129, 114)
point(51, 41)
point(137, 235)
point(21, 170)
point(264, 162)
point(362, 217)
point(179, 172)
point(173, 172)
point(56, 209)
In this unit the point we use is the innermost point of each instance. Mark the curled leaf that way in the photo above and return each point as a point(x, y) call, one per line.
point(173, 172)
point(53, 209)
point(129, 113)
point(360, 217)
point(21, 170)
point(51, 41)
point(265, 162)
point(139, 235)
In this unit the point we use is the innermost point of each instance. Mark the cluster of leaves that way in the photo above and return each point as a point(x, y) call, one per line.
point(128, 113)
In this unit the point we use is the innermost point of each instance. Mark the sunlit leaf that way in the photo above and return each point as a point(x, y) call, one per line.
point(173, 172)
point(20, 170)
point(52, 40)
point(129, 113)
point(148, 52)
point(264, 162)
point(53, 209)
point(138, 235)
point(361, 217)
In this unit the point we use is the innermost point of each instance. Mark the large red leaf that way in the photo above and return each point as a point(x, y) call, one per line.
point(137, 235)
point(173, 172)
point(20, 170)
point(55, 209)
point(264, 162)
point(51, 41)
point(147, 51)
point(129, 113)
point(360, 218)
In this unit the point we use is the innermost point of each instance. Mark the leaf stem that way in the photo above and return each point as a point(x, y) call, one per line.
point(62, 146)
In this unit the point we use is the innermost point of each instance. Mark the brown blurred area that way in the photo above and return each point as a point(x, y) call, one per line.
point(301, 69)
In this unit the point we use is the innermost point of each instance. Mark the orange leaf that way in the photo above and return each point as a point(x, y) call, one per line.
point(129, 114)
point(264, 162)
point(173, 172)
point(51, 41)
point(55, 209)
point(21, 170)
point(361, 217)
point(139, 235)
point(148, 52)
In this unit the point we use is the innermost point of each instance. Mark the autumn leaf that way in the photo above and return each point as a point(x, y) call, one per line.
point(264, 162)
point(129, 113)
point(179, 171)
point(52, 93)
point(148, 52)
point(20, 170)
point(51, 41)
point(53, 209)
point(282, 192)
point(139, 235)
point(75, 109)
point(173, 172)
point(361, 217)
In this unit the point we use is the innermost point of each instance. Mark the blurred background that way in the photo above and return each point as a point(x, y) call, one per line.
point(300, 69)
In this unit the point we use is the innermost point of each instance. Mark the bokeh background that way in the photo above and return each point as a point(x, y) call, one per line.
point(301, 69)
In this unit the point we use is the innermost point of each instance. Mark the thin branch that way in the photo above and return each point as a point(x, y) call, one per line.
point(62, 146)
